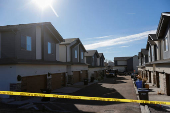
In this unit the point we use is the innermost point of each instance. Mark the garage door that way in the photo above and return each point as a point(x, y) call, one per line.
point(58, 80)
point(34, 83)
point(84, 74)
point(76, 76)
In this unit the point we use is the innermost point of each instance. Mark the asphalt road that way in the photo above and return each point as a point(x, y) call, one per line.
point(120, 87)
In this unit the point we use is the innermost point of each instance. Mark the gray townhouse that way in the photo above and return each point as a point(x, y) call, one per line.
point(158, 46)
point(29, 58)
point(101, 60)
point(95, 61)
point(126, 64)
point(72, 52)
point(143, 58)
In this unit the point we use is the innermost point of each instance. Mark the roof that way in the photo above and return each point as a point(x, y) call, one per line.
point(101, 54)
point(68, 41)
point(91, 53)
point(144, 51)
point(163, 24)
point(47, 25)
point(152, 37)
point(139, 54)
point(121, 58)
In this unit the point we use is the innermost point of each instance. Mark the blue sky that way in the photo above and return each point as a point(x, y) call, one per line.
point(113, 27)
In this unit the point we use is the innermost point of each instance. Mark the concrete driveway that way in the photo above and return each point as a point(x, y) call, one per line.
point(120, 87)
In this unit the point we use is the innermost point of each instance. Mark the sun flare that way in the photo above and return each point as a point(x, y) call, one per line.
point(43, 3)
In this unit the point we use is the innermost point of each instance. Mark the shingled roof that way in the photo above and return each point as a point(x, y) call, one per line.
point(68, 41)
point(47, 25)
point(144, 51)
point(152, 37)
point(91, 53)
point(101, 54)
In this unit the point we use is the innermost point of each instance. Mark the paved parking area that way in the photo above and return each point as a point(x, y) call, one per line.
point(120, 87)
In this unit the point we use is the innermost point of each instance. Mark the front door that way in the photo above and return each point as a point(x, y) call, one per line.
point(149, 76)
point(157, 80)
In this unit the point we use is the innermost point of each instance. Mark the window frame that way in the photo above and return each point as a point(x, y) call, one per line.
point(75, 54)
point(49, 50)
point(166, 44)
point(82, 54)
point(25, 42)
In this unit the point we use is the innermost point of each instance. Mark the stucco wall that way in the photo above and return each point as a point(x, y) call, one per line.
point(91, 71)
point(79, 67)
point(9, 73)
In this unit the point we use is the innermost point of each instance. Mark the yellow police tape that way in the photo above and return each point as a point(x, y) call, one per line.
point(81, 97)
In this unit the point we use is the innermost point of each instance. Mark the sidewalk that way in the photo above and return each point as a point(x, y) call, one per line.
point(153, 96)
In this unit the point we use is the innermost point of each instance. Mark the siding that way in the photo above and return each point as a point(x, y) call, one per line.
point(48, 37)
point(130, 64)
point(24, 54)
point(135, 63)
point(166, 54)
point(81, 50)
point(7, 45)
point(121, 62)
point(62, 53)
point(89, 60)
point(73, 54)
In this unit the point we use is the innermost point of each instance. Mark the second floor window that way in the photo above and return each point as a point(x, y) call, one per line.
point(26, 43)
point(75, 53)
point(166, 44)
point(49, 48)
point(82, 55)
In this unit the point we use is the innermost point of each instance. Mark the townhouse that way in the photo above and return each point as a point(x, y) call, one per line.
point(96, 63)
point(72, 52)
point(126, 64)
point(158, 46)
point(143, 58)
point(29, 58)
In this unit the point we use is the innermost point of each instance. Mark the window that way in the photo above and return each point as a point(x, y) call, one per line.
point(81, 55)
point(49, 48)
point(26, 42)
point(152, 47)
point(75, 53)
point(166, 44)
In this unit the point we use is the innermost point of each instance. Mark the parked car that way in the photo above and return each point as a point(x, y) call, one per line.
point(111, 73)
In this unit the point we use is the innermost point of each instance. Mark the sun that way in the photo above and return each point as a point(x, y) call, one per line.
point(43, 3)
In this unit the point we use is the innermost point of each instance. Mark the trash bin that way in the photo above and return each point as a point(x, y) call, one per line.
point(143, 93)
point(139, 83)
point(85, 81)
point(92, 79)
point(147, 86)
point(46, 91)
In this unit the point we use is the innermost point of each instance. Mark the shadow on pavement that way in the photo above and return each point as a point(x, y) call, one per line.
point(96, 90)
